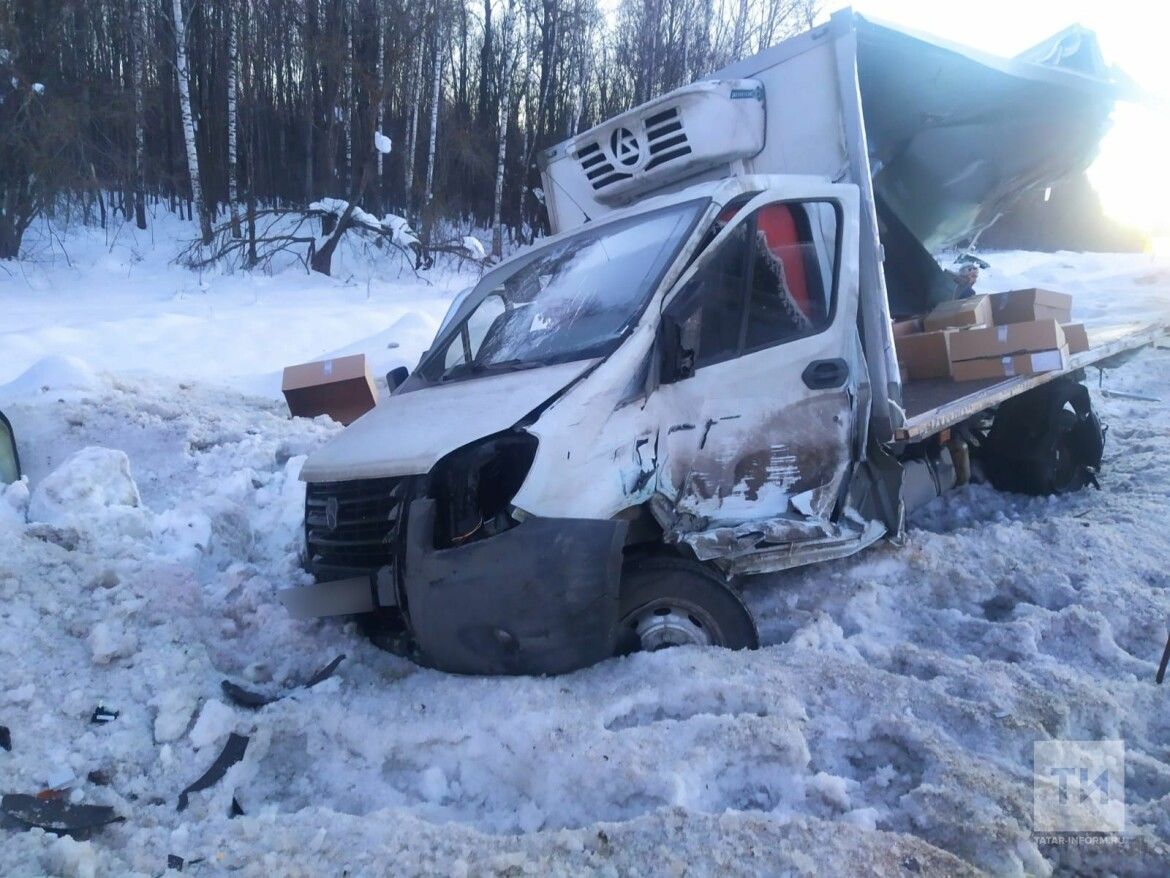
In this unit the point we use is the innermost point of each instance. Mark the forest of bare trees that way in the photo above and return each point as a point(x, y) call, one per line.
point(434, 110)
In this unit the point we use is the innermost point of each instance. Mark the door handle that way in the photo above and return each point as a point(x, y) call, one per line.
point(825, 374)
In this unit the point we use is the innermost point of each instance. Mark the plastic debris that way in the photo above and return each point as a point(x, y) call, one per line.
point(325, 673)
point(103, 715)
point(242, 697)
point(233, 752)
point(5, 739)
point(56, 816)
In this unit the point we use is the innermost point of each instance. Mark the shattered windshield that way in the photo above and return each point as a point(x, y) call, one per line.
point(566, 301)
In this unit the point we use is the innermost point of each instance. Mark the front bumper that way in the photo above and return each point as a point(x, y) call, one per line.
point(540, 598)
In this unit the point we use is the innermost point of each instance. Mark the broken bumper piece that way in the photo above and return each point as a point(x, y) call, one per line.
point(541, 598)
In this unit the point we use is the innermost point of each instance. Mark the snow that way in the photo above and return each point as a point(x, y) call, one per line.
point(474, 246)
point(885, 726)
point(382, 143)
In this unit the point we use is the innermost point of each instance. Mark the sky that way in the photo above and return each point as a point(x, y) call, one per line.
point(1130, 174)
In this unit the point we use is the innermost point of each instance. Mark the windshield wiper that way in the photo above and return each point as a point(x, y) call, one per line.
point(474, 368)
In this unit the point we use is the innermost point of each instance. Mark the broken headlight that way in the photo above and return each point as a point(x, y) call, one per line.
point(473, 487)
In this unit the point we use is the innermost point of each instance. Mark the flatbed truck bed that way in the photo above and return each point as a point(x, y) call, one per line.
point(933, 406)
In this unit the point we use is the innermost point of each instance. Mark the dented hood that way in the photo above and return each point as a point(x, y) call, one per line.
point(407, 433)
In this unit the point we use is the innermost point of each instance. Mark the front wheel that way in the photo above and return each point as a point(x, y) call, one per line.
point(674, 602)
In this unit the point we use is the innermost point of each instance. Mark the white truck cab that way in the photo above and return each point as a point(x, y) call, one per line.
point(694, 378)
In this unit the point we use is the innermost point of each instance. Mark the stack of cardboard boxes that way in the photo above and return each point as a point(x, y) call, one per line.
point(1022, 332)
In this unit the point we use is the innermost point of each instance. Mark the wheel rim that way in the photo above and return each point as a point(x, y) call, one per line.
point(666, 623)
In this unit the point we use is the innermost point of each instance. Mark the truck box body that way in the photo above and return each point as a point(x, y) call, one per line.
point(917, 123)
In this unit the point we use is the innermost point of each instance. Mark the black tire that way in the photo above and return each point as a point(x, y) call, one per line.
point(672, 601)
point(1047, 441)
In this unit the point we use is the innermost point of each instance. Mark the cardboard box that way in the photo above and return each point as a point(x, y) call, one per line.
point(900, 328)
point(341, 388)
point(972, 311)
point(1010, 367)
point(1002, 341)
point(924, 355)
point(1077, 336)
point(1020, 306)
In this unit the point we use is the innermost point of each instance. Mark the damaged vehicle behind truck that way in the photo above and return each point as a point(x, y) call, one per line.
point(694, 379)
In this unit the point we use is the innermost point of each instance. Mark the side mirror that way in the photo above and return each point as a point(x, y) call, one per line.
point(396, 376)
point(9, 462)
point(677, 362)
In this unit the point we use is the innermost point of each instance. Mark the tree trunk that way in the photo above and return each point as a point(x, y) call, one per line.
point(412, 139)
point(380, 95)
point(436, 81)
point(183, 74)
point(505, 92)
point(138, 41)
point(233, 120)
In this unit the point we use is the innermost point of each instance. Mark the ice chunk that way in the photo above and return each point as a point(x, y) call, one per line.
point(215, 721)
point(94, 488)
point(110, 640)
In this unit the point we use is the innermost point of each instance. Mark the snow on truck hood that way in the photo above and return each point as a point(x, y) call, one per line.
point(406, 434)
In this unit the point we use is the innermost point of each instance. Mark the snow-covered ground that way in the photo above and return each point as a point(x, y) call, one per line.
point(886, 725)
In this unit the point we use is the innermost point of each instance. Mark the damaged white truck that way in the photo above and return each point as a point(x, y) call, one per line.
point(694, 378)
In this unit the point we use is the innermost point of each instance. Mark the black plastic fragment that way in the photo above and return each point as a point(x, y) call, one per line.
point(103, 715)
point(242, 697)
point(237, 808)
point(325, 673)
point(175, 862)
point(247, 698)
point(5, 739)
point(1162, 664)
point(233, 752)
point(56, 815)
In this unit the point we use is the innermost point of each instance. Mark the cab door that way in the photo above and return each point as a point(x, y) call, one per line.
point(760, 365)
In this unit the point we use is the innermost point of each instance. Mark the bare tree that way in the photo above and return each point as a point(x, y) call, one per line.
point(233, 118)
point(183, 74)
point(505, 90)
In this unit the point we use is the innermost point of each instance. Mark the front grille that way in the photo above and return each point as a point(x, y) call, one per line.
point(352, 528)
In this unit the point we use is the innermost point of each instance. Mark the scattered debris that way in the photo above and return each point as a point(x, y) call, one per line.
point(1120, 394)
point(104, 715)
point(56, 816)
point(325, 673)
point(242, 697)
point(233, 752)
point(175, 862)
point(99, 777)
point(5, 739)
point(237, 808)
point(1162, 664)
point(61, 779)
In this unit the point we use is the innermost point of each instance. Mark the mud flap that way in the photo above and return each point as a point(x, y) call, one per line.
point(541, 598)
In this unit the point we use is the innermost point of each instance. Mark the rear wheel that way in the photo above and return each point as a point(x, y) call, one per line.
point(675, 602)
point(1048, 441)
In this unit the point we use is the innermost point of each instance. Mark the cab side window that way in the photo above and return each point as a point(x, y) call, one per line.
point(770, 281)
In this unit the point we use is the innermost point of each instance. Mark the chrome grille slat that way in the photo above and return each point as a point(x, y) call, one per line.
point(366, 516)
